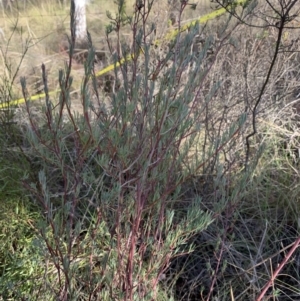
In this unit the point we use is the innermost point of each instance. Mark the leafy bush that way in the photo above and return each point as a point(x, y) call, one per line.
point(110, 177)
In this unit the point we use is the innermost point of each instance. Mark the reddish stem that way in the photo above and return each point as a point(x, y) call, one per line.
point(277, 271)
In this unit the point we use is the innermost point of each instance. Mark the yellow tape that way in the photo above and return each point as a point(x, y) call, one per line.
point(111, 67)
point(201, 20)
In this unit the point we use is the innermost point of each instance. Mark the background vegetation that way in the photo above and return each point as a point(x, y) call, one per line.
point(174, 176)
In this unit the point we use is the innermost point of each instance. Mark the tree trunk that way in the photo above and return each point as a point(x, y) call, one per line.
point(80, 20)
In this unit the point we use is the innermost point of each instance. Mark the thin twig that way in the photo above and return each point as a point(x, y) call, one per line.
point(277, 271)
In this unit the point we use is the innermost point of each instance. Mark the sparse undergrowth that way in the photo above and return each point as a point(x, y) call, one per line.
point(181, 183)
